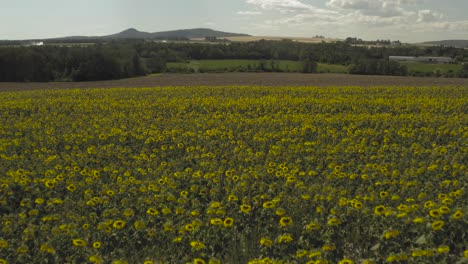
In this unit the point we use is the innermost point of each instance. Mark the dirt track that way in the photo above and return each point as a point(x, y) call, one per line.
point(266, 79)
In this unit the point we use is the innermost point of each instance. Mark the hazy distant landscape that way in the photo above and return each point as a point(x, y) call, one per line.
point(133, 53)
point(200, 34)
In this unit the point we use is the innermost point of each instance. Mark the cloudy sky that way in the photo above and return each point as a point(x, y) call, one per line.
point(405, 20)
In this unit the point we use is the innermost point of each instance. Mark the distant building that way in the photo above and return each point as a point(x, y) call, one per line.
point(211, 39)
point(40, 43)
point(440, 60)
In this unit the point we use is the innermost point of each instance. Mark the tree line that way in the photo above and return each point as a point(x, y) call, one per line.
point(121, 59)
point(53, 63)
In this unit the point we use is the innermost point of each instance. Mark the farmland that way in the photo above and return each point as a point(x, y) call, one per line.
point(235, 78)
point(234, 174)
point(415, 68)
point(250, 65)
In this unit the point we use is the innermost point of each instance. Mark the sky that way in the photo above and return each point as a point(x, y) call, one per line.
point(404, 20)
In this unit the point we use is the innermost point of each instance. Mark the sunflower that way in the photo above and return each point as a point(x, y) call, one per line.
point(96, 244)
point(328, 247)
point(458, 214)
point(447, 201)
point(346, 261)
point(39, 201)
point(434, 213)
point(280, 211)
point(286, 238)
point(197, 245)
point(444, 209)
point(139, 225)
point(232, 198)
point(95, 259)
point(128, 212)
point(188, 227)
point(166, 211)
point(443, 249)
point(266, 242)
point(301, 253)
point(391, 233)
point(285, 221)
point(315, 253)
point(429, 204)
point(119, 224)
point(3, 243)
point(199, 261)
point(79, 242)
point(379, 210)
point(441, 196)
point(245, 208)
point(228, 222)
point(71, 187)
point(50, 184)
point(216, 221)
point(334, 221)
point(152, 211)
point(268, 205)
point(357, 205)
point(437, 225)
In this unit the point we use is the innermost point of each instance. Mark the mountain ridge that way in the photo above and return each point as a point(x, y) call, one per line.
point(456, 43)
point(132, 33)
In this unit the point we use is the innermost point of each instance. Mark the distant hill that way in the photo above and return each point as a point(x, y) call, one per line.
point(132, 33)
point(448, 43)
point(197, 33)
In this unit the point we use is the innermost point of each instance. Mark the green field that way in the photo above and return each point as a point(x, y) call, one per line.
point(249, 65)
point(417, 67)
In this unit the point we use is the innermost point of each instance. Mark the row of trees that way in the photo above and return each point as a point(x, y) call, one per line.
point(332, 53)
point(53, 63)
point(379, 67)
point(133, 58)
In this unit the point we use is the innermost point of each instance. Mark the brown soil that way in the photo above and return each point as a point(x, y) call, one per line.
point(261, 79)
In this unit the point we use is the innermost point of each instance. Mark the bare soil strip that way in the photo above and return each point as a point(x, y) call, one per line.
point(259, 79)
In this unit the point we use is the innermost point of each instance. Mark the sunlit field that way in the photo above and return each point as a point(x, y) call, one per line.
point(234, 175)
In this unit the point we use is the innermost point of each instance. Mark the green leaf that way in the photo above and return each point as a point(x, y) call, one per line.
point(421, 240)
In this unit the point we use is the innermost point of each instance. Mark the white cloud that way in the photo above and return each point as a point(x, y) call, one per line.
point(288, 6)
point(428, 16)
point(442, 26)
point(249, 13)
point(383, 8)
point(279, 4)
point(378, 18)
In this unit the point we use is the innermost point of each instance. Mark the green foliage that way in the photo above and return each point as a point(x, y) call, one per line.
point(463, 73)
point(249, 66)
point(378, 67)
point(120, 59)
point(429, 69)
point(51, 63)
point(309, 66)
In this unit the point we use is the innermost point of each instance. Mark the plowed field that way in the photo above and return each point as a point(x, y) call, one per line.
point(267, 79)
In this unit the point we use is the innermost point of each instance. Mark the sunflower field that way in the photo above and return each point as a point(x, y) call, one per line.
point(234, 175)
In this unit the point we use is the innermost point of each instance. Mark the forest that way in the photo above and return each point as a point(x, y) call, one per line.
point(122, 59)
